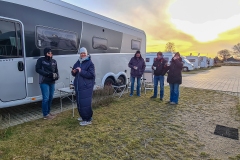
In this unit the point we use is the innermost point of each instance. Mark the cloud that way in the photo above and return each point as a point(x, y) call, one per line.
point(156, 18)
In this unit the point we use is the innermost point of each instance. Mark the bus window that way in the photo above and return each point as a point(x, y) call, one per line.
point(136, 45)
point(99, 43)
point(56, 39)
point(147, 59)
point(8, 42)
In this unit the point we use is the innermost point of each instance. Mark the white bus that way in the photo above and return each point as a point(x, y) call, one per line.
point(28, 26)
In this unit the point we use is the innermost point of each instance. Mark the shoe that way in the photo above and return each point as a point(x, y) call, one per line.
point(130, 95)
point(153, 97)
point(139, 95)
point(48, 117)
point(53, 115)
point(173, 103)
point(85, 123)
point(161, 99)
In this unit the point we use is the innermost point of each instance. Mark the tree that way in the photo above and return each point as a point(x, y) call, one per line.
point(170, 47)
point(236, 49)
point(224, 54)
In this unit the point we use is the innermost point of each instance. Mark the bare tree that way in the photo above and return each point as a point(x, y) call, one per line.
point(170, 47)
point(236, 49)
point(224, 54)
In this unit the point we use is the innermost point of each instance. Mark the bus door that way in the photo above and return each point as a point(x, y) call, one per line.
point(12, 66)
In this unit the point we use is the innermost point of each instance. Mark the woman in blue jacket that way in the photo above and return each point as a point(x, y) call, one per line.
point(84, 73)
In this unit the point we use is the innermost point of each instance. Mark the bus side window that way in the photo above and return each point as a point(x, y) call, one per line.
point(9, 42)
point(135, 45)
point(99, 43)
point(147, 59)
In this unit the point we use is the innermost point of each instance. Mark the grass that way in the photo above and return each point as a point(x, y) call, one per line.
point(127, 128)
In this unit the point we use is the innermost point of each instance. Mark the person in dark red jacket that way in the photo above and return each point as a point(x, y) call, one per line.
point(137, 65)
point(158, 67)
point(84, 73)
point(174, 77)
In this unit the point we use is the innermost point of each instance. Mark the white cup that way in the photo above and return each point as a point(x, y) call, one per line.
point(136, 68)
point(154, 68)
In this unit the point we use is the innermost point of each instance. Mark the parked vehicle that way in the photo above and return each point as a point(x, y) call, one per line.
point(27, 27)
point(195, 60)
point(211, 62)
point(187, 66)
point(204, 62)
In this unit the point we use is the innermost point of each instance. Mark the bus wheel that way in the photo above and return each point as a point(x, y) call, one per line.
point(121, 81)
point(108, 86)
point(185, 69)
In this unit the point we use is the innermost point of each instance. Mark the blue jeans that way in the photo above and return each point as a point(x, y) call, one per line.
point(47, 96)
point(174, 92)
point(161, 81)
point(138, 85)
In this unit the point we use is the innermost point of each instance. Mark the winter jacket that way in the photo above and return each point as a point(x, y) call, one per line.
point(45, 68)
point(160, 64)
point(175, 71)
point(84, 82)
point(140, 64)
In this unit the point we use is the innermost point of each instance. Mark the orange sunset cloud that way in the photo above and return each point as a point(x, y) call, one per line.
point(199, 26)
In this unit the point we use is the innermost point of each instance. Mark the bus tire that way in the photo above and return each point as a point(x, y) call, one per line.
point(185, 69)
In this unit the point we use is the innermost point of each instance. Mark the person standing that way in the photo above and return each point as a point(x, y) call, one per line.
point(47, 69)
point(174, 77)
point(137, 65)
point(158, 66)
point(84, 73)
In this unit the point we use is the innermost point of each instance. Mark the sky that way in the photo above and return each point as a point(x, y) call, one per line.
point(194, 26)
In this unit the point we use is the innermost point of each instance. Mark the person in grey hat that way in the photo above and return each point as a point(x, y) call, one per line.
point(84, 72)
point(47, 69)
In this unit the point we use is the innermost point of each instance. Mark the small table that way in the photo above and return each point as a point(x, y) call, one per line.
point(117, 88)
point(65, 93)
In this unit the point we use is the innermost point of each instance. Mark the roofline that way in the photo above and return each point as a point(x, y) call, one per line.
point(90, 13)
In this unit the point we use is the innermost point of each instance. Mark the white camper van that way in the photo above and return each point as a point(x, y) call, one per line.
point(28, 26)
point(187, 66)
point(194, 60)
point(203, 62)
point(211, 62)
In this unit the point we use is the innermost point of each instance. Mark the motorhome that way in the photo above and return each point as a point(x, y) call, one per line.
point(187, 66)
point(204, 62)
point(27, 27)
point(211, 62)
point(194, 60)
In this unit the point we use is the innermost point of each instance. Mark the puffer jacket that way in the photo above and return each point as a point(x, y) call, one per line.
point(175, 71)
point(84, 83)
point(44, 67)
point(138, 62)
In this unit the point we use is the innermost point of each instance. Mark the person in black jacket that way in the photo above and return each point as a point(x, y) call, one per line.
point(47, 69)
point(174, 77)
point(158, 66)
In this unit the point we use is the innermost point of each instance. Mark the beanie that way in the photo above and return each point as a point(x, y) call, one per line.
point(82, 50)
point(46, 50)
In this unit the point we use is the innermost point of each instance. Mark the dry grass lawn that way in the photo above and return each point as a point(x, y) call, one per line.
point(132, 128)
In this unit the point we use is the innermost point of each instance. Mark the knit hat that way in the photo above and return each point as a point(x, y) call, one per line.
point(82, 50)
point(46, 50)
